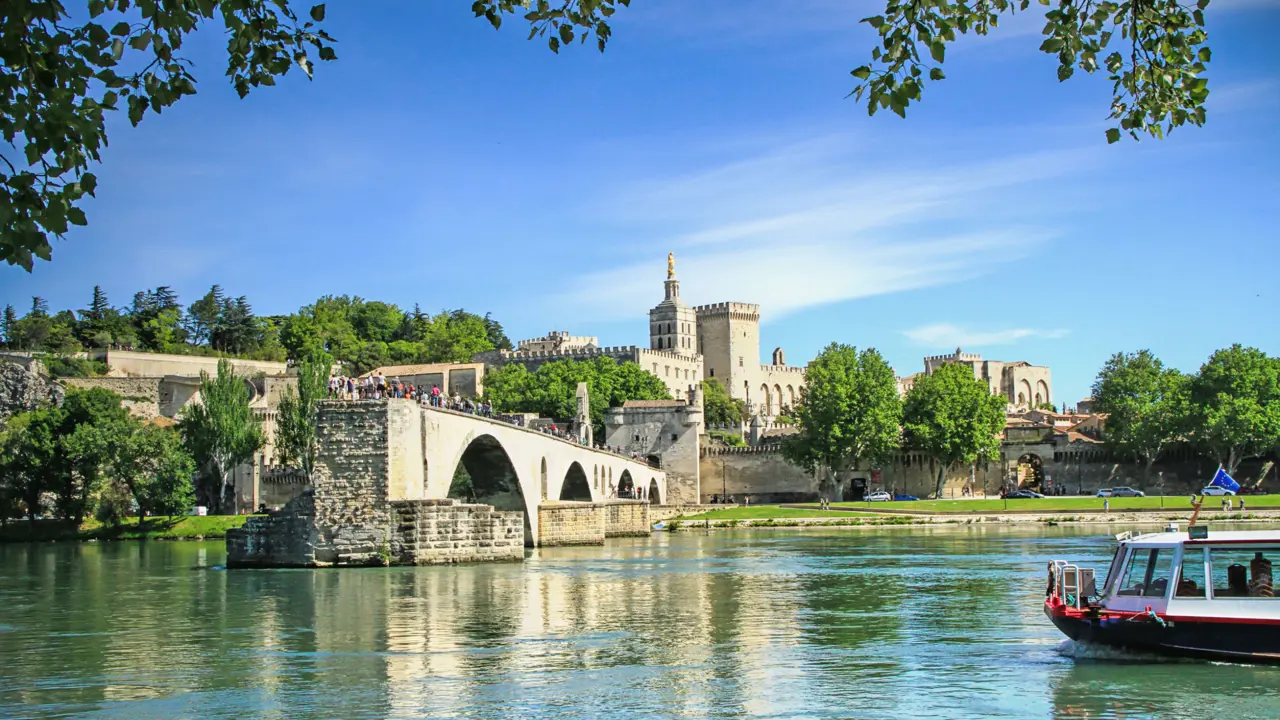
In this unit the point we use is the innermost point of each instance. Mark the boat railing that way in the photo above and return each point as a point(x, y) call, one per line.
point(1072, 585)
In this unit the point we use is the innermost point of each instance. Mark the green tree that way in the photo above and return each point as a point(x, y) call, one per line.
point(849, 412)
point(220, 432)
point(952, 417)
point(29, 459)
point(9, 326)
point(90, 426)
point(156, 468)
point(204, 315)
point(1155, 68)
point(494, 333)
point(1235, 402)
point(376, 321)
point(1146, 405)
point(98, 322)
point(551, 391)
point(718, 408)
point(456, 337)
point(296, 419)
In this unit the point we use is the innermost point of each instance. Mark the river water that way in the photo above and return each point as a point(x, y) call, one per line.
point(845, 623)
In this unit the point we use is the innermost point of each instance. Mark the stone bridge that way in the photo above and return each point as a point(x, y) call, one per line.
point(514, 468)
point(398, 482)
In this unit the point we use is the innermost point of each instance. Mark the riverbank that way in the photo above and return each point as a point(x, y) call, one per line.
point(178, 527)
point(772, 516)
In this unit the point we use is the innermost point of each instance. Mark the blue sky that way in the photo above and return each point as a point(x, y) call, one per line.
point(443, 163)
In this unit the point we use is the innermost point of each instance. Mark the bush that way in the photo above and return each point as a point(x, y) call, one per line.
point(61, 366)
point(114, 503)
point(728, 438)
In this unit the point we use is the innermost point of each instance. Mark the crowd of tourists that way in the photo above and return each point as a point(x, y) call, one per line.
point(379, 387)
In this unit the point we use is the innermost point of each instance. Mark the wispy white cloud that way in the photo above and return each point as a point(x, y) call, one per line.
point(1242, 95)
point(948, 336)
point(819, 222)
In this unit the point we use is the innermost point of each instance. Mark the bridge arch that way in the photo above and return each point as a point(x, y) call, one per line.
point(655, 492)
point(575, 485)
point(626, 486)
point(485, 474)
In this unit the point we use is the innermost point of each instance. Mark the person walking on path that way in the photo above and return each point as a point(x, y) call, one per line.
point(1241, 504)
point(1106, 505)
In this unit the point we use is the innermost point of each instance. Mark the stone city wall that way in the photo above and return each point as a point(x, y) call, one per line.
point(125, 363)
point(762, 475)
point(626, 518)
point(570, 523)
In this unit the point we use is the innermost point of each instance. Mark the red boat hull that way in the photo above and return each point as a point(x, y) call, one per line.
point(1216, 639)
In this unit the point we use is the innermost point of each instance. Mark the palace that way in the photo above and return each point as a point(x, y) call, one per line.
point(686, 345)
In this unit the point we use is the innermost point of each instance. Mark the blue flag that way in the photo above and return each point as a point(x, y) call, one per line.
point(1223, 480)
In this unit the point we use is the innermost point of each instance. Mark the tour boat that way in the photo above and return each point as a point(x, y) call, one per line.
point(1193, 593)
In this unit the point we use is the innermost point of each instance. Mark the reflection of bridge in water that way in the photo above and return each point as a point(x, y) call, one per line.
point(517, 468)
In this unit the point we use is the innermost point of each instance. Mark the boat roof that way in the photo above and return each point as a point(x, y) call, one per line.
point(1215, 537)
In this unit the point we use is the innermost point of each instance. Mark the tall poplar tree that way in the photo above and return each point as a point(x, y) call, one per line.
point(221, 432)
point(296, 419)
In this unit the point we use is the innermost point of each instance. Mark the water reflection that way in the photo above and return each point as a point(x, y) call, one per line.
point(899, 622)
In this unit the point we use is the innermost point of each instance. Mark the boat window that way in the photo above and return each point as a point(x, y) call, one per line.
point(1147, 574)
point(1239, 572)
point(1113, 572)
point(1191, 578)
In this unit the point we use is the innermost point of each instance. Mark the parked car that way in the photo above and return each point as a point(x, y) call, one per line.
point(1215, 490)
point(1104, 492)
point(881, 496)
point(1126, 492)
point(899, 497)
point(1023, 495)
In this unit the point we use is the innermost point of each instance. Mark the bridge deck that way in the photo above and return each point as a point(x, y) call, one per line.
point(539, 433)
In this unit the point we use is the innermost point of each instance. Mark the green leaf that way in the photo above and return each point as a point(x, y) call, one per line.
point(76, 216)
point(1204, 55)
point(938, 50)
point(1065, 72)
point(89, 182)
point(862, 73)
point(141, 41)
point(936, 74)
point(875, 22)
point(1113, 135)
point(327, 53)
point(121, 29)
point(317, 13)
point(117, 48)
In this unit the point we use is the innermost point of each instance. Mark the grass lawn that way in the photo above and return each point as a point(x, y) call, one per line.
point(760, 512)
point(1055, 504)
point(168, 528)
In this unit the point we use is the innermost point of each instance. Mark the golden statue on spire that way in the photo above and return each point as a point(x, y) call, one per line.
point(671, 265)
